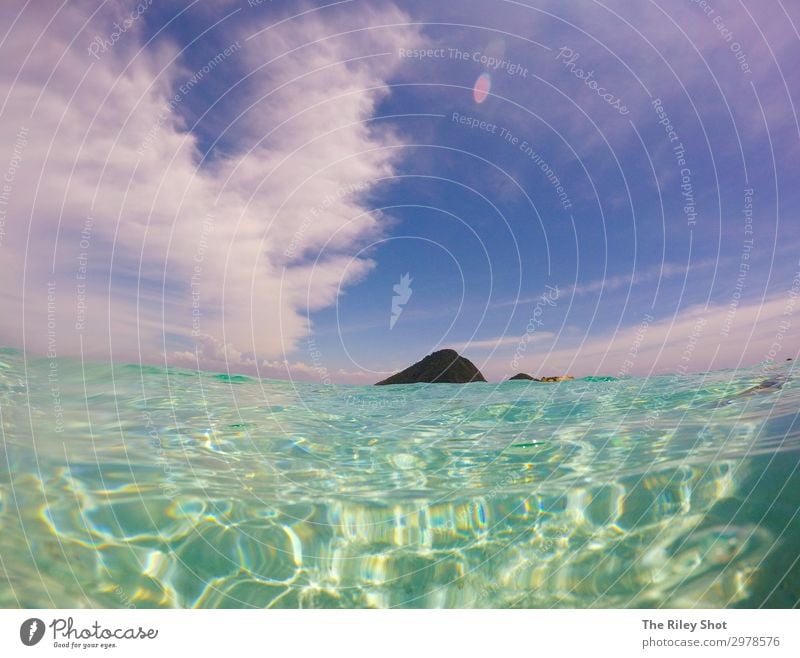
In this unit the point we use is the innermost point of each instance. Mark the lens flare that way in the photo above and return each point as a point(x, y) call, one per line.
point(483, 86)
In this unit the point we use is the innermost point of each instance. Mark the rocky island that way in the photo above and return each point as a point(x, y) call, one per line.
point(442, 367)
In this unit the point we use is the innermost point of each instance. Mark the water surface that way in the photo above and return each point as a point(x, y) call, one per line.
point(136, 486)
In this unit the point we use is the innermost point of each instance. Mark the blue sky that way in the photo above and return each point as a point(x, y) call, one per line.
point(260, 220)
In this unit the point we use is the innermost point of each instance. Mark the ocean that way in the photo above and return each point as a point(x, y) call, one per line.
point(138, 486)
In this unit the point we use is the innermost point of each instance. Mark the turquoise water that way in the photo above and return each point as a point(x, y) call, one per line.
point(137, 486)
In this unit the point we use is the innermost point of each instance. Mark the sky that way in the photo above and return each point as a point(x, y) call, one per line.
point(329, 191)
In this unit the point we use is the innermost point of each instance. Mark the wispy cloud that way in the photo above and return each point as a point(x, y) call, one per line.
point(697, 339)
point(649, 275)
point(502, 342)
point(664, 271)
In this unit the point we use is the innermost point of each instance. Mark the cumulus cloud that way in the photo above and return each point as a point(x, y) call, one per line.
point(124, 238)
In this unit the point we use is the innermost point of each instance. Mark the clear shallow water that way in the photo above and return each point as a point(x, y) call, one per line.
point(134, 486)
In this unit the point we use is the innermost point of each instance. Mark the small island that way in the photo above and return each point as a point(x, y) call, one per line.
point(442, 367)
point(527, 377)
point(449, 367)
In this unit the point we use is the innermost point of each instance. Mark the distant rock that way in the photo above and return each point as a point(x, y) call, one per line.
point(559, 378)
point(442, 367)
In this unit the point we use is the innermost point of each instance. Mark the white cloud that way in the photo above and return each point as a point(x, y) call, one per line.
point(265, 233)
